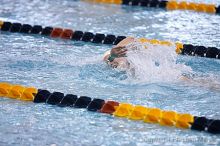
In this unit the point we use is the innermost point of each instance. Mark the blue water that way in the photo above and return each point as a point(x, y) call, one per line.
point(77, 67)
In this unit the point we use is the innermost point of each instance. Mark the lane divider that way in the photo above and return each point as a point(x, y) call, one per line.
point(116, 109)
point(109, 39)
point(168, 5)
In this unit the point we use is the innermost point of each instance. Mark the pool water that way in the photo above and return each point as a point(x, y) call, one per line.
point(76, 67)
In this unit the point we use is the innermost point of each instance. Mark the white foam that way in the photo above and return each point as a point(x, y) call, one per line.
point(154, 63)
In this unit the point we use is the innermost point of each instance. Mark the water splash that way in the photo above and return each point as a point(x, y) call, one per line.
point(154, 63)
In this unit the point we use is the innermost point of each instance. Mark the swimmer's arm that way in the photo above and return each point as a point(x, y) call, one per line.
point(120, 45)
point(117, 51)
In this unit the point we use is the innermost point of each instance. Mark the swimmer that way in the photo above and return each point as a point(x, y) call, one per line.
point(116, 57)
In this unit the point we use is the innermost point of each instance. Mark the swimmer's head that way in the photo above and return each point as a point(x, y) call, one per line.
point(116, 57)
point(106, 55)
point(120, 63)
point(116, 62)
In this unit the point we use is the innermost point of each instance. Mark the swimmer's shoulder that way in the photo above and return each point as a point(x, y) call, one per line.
point(126, 41)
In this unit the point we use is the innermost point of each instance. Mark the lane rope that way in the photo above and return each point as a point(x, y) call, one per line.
point(99, 38)
point(163, 4)
point(114, 108)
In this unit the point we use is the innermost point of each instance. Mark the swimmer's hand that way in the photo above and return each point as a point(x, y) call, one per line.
point(119, 51)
